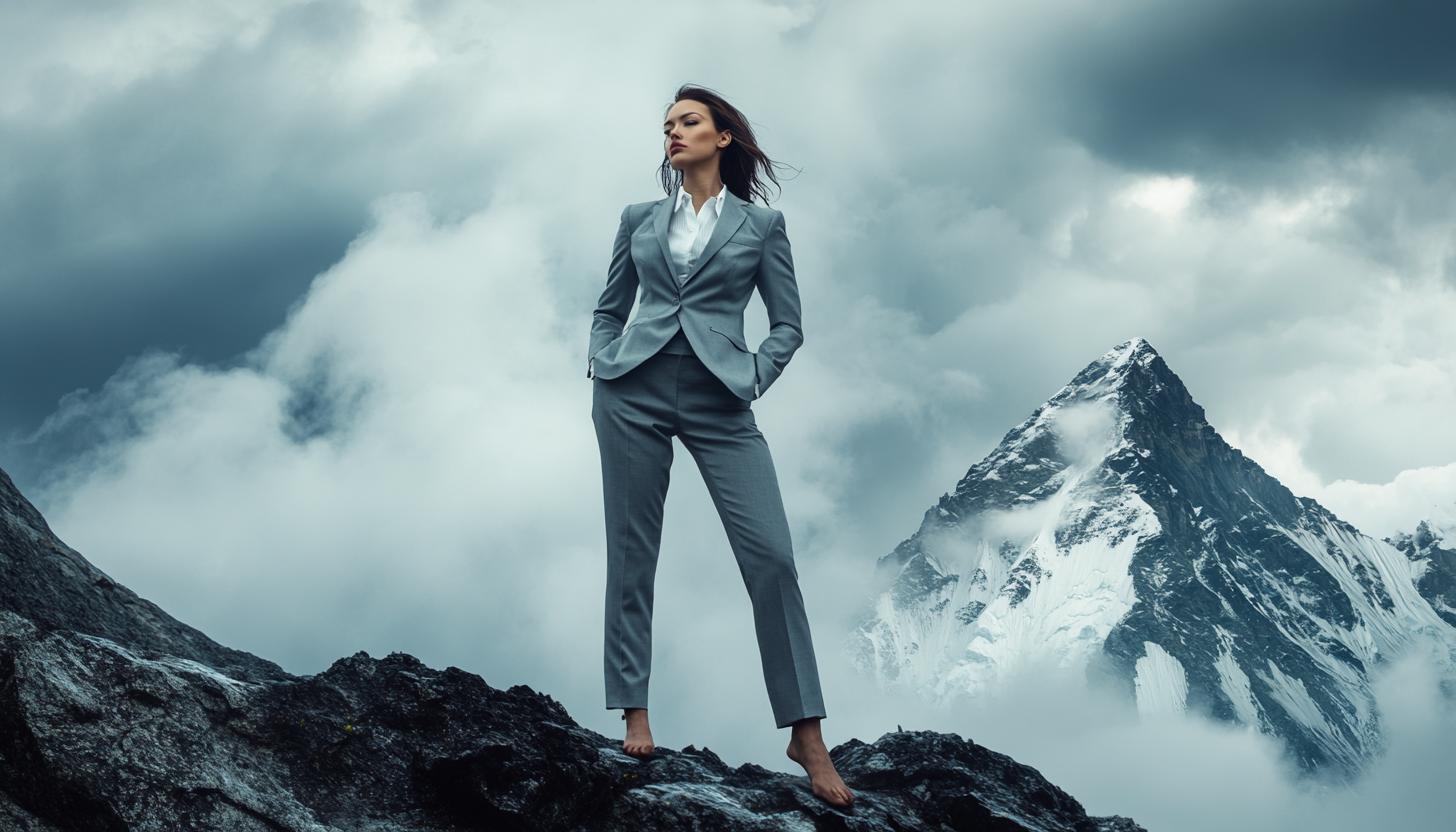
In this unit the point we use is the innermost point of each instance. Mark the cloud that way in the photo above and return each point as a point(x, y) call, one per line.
point(1388, 509)
point(1187, 773)
point(1085, 431)
point(180, 172)
point(398, 436)
point(1206, 84)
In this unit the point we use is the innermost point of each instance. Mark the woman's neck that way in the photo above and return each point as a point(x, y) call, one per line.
point(702, 183)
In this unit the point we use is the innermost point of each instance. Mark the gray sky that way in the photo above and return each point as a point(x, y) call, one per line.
point(326, 268)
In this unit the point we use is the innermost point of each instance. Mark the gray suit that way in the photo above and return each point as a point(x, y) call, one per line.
point(698, 389)
point(749, 249)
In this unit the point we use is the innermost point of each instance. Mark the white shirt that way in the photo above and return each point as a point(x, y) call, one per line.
point(688, 232)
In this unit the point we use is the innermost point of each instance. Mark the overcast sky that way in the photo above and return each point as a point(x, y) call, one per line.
point(295, 295)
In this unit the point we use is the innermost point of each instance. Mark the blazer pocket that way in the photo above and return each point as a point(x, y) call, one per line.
point(734, 340)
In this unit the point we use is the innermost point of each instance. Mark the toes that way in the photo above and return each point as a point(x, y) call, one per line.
point(837, 796)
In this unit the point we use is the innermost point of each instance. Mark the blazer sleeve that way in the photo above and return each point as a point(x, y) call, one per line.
point(780, 293)
point(620, 293)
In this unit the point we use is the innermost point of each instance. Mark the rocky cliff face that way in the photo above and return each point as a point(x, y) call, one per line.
point(114, 716)
point(1432, 550)
point(1115, 530)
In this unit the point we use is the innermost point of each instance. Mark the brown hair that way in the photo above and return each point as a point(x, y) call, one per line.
point(746, 170)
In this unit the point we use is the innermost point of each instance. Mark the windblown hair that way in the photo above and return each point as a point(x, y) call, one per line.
point(746, 170)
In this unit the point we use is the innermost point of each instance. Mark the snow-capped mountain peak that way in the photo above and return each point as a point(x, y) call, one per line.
point(1115, 530)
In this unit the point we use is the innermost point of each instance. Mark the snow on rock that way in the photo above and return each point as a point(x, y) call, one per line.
point(1431, 553)
point(1161, 684)
point(1234, 684)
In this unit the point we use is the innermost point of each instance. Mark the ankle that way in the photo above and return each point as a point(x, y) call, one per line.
point(806, 732)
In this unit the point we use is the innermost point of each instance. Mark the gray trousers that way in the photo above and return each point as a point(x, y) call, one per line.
point(636, 418)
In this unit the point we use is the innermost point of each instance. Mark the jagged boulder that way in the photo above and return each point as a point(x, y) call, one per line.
point(114, 716)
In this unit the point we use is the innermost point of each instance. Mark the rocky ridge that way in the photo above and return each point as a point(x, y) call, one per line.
point(115, 716)
point(1432, 549)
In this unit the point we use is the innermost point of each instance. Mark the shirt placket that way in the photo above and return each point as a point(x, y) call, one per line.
point(692, 222)
point(700, 227)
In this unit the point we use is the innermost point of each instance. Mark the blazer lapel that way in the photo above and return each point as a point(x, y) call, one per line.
point(659, 225)
point(728, 222)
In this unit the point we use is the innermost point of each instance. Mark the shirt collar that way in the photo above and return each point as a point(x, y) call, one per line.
point(716, 203)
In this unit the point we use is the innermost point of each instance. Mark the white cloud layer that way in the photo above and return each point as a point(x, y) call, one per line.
point(408, 462)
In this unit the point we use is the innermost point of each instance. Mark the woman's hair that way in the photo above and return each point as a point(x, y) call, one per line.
point(745, 169)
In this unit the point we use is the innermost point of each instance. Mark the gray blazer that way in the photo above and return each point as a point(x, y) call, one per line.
point(748, 249)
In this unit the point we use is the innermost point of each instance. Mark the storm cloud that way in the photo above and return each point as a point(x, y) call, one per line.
point(1210, 85)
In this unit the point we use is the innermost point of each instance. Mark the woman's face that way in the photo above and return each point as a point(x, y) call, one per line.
point(689, 135)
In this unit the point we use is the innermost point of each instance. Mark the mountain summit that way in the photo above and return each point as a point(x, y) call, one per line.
point(1115, 529)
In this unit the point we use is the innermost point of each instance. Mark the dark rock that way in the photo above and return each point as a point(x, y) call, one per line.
point(47, 582)
point(15, 819)
point(114, 716)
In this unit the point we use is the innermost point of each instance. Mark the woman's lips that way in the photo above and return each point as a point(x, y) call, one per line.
point(676, 146)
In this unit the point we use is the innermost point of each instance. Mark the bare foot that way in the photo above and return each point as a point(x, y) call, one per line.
point(806, 748)
point(639, 737)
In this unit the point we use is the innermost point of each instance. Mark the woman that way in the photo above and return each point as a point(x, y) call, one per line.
point(683, 369)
